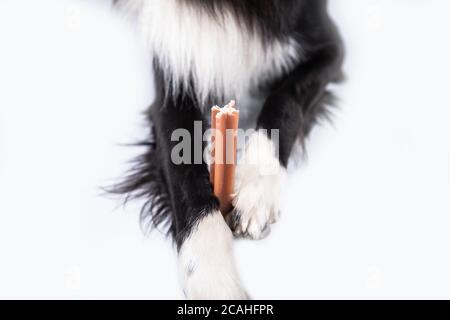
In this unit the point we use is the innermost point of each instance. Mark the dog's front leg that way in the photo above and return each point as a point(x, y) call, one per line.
point(289, 113)
point(204, 240)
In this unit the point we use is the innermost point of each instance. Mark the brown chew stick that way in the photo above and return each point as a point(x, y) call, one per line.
point(219, 166)
point(224, 123)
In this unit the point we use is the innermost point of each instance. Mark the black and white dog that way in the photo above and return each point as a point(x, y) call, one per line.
point(278, 55)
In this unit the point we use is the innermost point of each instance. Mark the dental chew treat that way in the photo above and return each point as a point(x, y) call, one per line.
point(224, 122)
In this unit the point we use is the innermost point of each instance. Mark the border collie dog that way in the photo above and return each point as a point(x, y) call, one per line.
point(275, 58)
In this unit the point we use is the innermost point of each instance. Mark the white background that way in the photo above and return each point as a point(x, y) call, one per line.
point(367, 216)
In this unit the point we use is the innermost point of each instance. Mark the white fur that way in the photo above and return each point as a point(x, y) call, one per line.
point(223, 58)
point(206, 262)
point(259, 181)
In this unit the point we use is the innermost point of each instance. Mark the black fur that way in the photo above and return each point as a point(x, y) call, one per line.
point(176, 194)
point(181, 194)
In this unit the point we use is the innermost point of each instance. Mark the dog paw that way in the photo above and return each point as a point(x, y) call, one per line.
point(206, 262)
point(259, 181)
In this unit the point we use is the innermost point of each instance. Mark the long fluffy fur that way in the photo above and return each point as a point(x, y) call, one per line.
point(207, 44)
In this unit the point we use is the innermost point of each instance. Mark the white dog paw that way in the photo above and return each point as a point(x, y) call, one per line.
point(206, 262)
point(259, 181)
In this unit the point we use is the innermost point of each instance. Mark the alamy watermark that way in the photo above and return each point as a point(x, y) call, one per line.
point(260, 147)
